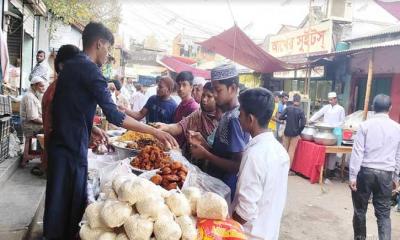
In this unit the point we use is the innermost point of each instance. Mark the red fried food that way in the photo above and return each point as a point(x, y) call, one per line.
point(156, 179)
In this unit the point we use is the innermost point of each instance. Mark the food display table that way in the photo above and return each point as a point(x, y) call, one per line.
point(337, 149)
point(309, 159)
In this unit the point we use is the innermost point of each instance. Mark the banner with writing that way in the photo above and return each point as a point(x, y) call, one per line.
point(316, 39)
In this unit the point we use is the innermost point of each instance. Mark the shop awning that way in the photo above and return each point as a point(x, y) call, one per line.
point(175, 65)
point(235, 45)
point(184, 60)
point(392, 7)
point(386, 57)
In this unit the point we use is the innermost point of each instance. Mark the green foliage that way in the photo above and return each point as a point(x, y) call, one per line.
point(84, 11)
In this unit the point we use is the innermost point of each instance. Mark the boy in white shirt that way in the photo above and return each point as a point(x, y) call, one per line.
point(262, 185)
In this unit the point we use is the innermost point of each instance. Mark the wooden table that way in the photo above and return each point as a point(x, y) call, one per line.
point(336, 149)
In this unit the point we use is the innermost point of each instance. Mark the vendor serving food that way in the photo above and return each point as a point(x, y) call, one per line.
point(333, 115)
point(80, 88)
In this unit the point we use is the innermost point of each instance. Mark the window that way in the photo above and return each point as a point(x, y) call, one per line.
point(379, 85)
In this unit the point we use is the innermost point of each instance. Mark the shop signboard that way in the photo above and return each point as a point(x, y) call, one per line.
point(316, 39)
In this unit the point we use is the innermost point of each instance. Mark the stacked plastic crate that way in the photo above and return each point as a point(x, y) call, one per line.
point(5, 126)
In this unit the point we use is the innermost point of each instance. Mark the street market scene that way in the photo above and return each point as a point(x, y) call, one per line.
point(199, 119)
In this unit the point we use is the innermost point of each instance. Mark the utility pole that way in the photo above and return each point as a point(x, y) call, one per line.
point(308, 72)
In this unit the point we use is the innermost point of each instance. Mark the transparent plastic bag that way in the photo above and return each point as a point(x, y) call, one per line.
point(353, 121)
point(96, 161)
point(197, 178)
point(116, 168)
point(93, 185)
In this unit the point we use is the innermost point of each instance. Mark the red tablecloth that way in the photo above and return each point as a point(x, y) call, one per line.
point(308, 159)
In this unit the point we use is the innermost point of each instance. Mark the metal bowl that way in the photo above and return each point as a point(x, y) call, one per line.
point(324, 126)
point(123, 152)
point(115, 133)
point(308, 133)
point(325, 136)
point(325, 141)
point(307, 137)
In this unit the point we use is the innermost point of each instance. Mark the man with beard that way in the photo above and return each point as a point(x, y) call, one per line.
point(41, 68)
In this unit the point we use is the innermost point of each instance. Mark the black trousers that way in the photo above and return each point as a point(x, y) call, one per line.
point(379, 184)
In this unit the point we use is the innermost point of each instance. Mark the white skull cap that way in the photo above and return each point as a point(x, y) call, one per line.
point(37, 79)
point(199, 81)
point(332, 95)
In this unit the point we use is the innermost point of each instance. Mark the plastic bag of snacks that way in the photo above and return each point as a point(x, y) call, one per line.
point(219, 230)
point(197, 178)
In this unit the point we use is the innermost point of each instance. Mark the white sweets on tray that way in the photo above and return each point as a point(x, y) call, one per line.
point(135, 208)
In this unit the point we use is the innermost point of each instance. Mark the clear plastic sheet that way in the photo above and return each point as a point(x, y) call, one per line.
point(102, 169)
point(108, 168)
point(354, 120)
point(197, 178)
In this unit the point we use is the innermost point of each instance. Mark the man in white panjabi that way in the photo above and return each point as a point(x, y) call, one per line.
point(333, 114)
point(261, 190)
point(138, 99)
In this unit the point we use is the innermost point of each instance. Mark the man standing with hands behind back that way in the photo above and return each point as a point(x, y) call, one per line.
point(374, 166)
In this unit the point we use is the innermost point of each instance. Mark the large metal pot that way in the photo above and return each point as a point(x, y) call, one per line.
point(324, 126)
point(308, 133)
point(325, 136)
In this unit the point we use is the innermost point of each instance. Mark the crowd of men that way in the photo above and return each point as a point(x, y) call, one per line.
point(246, 139)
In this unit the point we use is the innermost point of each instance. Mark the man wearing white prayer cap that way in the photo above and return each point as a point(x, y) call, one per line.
point(31, 112)
point(333, 114)
point(198, 84)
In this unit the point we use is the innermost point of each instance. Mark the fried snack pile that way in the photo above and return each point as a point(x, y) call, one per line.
point(171, 176)
point(137, 140)
point(151, 157)
point(135, 136)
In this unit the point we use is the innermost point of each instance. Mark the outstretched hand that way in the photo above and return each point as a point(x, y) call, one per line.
point(99, 135)
point(166, 139)
point(160, 126)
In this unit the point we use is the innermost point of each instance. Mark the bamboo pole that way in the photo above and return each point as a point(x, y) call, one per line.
point(369, 83)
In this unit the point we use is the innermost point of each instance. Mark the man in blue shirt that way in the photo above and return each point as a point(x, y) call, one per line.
point(160, 107)
point(80, 88)
point(230, 139)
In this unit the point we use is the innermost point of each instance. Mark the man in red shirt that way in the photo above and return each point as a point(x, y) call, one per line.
point(184, 80)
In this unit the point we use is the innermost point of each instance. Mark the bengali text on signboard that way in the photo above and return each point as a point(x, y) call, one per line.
point(316, 39)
